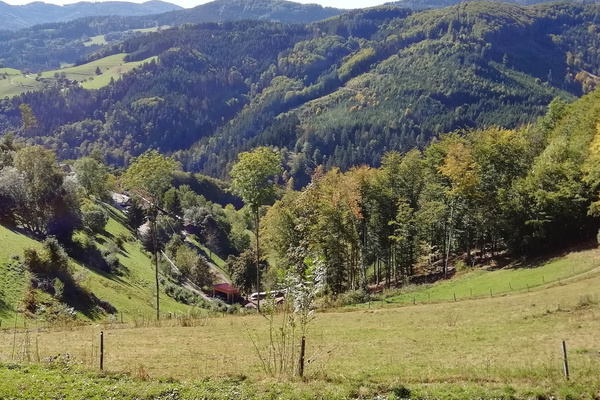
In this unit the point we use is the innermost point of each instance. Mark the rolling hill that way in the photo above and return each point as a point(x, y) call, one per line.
point(15, 17)
point(505, 346)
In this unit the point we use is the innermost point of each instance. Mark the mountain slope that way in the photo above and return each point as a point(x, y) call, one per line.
point(339, 92)
point(24, 16)
point(52, 44)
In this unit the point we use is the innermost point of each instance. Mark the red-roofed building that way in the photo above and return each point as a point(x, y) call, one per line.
point(227, 291)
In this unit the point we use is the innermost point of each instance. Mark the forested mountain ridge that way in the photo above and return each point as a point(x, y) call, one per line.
point(233, 10)
point(339, 92)
point(14, 17)
point(429, 4)
point(52, 44)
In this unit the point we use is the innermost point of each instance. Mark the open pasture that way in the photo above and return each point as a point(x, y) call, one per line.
point(508, 345)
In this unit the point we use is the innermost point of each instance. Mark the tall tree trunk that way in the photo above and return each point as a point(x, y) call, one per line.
point(447, 246)
point(154, 233)
point(256, 220)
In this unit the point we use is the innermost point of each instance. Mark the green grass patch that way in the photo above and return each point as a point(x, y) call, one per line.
point(96, 41)
point(14, 278)
point(16, 84)
point(111, 67)
point(480, 282)
point(153, 29)
point(9, 71)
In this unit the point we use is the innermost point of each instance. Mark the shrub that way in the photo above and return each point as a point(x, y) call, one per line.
point(94, 218)
point(460, 266)
point(51, 262)
point(352, 297)
point(59, 288)
point(112, 262)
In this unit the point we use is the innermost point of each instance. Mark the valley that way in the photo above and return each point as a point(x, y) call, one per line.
point(266, 199)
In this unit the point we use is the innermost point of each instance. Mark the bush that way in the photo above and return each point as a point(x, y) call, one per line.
point(94, 218)
point(112, 262)
point(59, 288)
point(352, 297)
point(52, 261)
point(460, 266)
point(234, 308)
point(185, 296)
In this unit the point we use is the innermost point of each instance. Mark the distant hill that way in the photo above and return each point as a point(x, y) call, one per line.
point(49, 45)
point(19, 17)
point(268, 10)
point(37, 13)
point(432, 4)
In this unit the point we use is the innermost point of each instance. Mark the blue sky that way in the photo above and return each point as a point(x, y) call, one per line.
point(193, 3)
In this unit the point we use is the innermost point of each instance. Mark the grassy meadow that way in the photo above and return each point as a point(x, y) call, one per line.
point(133, 293)
point(501, 347)
point(16, 83)
point(493, 282)
point(112, 67)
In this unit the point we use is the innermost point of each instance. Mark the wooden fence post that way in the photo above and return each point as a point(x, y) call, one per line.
point(301, 363)
point(101, 350)
point(564, 349)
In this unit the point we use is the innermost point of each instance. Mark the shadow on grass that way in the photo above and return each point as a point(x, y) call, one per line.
point(5, 310)
point(92, 259)
point(117, 216)
point(535, 262)
point(106, 234)
point(86, 302)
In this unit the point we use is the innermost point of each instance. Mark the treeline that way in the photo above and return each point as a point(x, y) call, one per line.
point(465, 198)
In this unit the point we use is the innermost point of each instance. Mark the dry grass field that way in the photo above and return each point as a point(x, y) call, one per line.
point(507, 346)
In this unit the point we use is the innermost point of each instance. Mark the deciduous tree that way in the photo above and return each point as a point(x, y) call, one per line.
point(253, 180)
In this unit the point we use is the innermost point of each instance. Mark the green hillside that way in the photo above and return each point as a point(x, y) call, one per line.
point(14, 282)
point(132, 293)
point(488, 282)
point(93, 75)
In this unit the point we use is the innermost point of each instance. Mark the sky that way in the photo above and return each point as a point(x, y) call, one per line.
point(194, 3)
